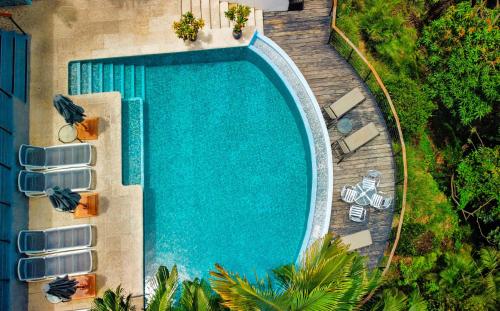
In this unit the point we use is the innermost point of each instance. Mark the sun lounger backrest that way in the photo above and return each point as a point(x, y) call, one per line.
point(31, 241)
point(358, 239)
point(31, 181)
point(361, 137)
point(31, 155)
point(347, 102)
point(31, 268)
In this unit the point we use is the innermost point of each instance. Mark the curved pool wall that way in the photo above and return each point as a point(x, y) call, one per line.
point(320, 211)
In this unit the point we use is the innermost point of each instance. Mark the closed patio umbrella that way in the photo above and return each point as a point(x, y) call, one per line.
point(63, 199)
point(61, 289)
point(71, 112)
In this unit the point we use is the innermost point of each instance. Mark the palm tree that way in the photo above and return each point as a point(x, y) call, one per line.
point(113, 301)
point(164, 287)
point(197, 295)
point(328, 277)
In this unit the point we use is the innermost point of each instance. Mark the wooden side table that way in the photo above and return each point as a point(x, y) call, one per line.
point(88, 129)
point(88, 206)
point(86, 286)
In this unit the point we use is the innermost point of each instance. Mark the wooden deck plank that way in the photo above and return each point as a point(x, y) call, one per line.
point(303, 35)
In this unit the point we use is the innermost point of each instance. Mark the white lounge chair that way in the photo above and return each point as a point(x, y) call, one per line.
point(345, 104)
point(68, 263)
point(61, 156)
point(32, 242)
point(357, 240)
point(347, 146)
point(357, 213)
point(35, 184)
point(348, 194)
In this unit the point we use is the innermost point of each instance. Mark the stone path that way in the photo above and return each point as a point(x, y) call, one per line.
point(304, 35)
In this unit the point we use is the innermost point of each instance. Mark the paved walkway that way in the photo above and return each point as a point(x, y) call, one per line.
point(304, 35)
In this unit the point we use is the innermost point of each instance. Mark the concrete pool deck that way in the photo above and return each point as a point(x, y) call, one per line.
point(67, 30)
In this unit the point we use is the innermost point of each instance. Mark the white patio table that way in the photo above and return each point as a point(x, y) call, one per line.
point(365, 195)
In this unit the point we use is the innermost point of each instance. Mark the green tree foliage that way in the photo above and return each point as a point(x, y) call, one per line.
point(478, 184)
point(413, 105)
point(462, 280)
point(113, 301)
point(462, 57)
point(327, 278)
point(385, 30)
point(395, 300)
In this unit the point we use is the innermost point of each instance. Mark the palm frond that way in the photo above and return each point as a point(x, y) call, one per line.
point(113, 301)
point(238, 294)
point(164, 287)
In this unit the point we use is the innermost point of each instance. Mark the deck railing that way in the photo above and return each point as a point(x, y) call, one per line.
point(366, 70)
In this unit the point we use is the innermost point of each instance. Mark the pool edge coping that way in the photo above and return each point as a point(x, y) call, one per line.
point(310, 236)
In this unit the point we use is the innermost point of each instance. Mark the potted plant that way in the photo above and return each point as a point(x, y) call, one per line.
point(239, 15)
point(188, 27)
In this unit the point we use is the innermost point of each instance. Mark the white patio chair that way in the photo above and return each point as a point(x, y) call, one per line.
point(368, 183)
point(357, 213)
point(377, 200)
point(380, 202)
point(348, 194)
point(387, 202)
point(374, 176)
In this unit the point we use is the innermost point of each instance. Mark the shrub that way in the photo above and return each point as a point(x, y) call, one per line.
point(188, 27)
point(478, 184)
point(462, 58)
point(412, 103)
point(239, 15)
point(386, 33)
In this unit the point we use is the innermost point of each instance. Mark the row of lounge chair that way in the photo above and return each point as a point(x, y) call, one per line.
point(348, 145)
point(66, 166)
point(64, 248)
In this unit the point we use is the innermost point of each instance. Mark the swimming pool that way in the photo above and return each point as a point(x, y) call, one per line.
point(227, 174)
point(221, 149)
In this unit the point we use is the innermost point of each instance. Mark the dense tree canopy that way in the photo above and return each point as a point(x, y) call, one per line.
point(462, 57)
point(478, 184)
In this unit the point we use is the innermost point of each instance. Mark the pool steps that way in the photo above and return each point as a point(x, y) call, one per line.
point(95, 77)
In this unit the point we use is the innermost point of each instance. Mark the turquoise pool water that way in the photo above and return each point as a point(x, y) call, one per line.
point(227, 173)
point(221, 150)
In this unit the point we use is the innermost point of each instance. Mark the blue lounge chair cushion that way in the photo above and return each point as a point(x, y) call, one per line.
point(31, 268)
point(31, 241)
point(30, 155)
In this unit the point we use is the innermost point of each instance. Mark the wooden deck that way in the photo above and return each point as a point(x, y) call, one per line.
point(304, 35)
